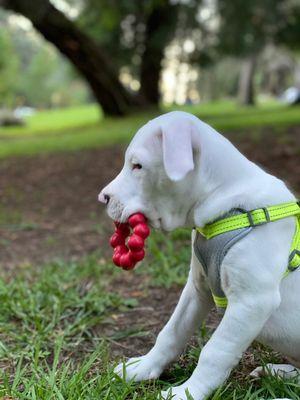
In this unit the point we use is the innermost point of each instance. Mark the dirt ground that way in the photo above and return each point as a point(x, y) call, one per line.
point(49, 209)
point(49, 205)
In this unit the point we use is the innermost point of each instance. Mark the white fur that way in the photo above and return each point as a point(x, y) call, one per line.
point(191, 175)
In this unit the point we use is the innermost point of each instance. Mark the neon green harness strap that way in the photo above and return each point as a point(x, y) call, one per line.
point(220, 302)
point(254, 218)
point(294, 259)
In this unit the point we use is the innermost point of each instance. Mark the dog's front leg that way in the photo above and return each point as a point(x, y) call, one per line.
point(192, 308)
point(252, 286)
point(240, 325)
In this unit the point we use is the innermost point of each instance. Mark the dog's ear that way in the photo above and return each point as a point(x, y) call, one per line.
point(177, 148)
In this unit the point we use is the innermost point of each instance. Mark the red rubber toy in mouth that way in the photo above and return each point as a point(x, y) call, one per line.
point(127, 254)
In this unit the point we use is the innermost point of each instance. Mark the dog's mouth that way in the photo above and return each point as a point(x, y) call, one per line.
point(152, 220)
point(120, 213)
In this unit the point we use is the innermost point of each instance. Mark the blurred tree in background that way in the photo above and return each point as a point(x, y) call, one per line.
point(33, 73)
point(247, 27)
point(106, 37)
point(131, 52)
point(9, 69)
point(87, 56)
point(135, 35)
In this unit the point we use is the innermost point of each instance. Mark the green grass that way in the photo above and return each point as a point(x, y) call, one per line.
point(170, 256)
point(51, 121)
point(52, 345)
point(83, 127)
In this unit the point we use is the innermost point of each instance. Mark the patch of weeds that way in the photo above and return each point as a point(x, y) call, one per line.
point(59, 300)
point(92, 378)
point(56, 375)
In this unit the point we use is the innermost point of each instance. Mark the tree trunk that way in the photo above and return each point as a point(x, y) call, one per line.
point(159, 27)
point(246, 81)
point(86, 56)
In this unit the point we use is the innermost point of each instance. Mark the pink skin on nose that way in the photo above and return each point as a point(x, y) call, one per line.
point(101, 197)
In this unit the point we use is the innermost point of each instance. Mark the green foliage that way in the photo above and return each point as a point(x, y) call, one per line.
point(32, 72)
point(219, 80)
point(247, 26)
point(44, 82)
point(49, 81)
point(121, 29)
point(40, 70)
point(9, 69)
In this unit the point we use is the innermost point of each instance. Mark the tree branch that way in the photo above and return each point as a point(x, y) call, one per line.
point(87, 57)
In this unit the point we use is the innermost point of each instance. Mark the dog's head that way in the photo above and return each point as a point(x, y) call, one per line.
point(159, 172)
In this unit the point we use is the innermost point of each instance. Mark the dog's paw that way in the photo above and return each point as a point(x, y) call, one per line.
point(139, 369)
point(186, 391)
point(284, 371)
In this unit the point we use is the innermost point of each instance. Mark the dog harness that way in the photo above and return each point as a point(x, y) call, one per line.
point(214, 240)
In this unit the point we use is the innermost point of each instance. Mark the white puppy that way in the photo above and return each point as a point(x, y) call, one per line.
point(180, 172)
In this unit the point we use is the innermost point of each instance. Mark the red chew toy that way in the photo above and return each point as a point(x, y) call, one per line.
point(126, 256)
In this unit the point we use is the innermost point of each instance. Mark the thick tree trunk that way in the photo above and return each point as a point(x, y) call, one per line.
point(150, 77)
point(246, 81)
point(81, 51)
point(159, 27)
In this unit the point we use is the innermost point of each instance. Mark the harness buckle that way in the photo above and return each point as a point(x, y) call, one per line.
point(267, 215)
point(251, 221)
point(292, 255)
point(250, 218)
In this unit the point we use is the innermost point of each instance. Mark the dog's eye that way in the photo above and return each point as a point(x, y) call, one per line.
point(136, 166)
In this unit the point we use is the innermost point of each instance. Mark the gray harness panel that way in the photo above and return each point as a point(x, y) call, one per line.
point(211, 252)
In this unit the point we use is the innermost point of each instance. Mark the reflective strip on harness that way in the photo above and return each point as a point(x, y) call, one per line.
point(252, 218)
point(255, 218)
point(220, 302)
point(294, 259)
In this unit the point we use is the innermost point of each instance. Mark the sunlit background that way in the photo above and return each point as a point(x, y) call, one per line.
point(202, 53)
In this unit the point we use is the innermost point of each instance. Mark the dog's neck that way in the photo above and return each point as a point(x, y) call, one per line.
point(227, 180)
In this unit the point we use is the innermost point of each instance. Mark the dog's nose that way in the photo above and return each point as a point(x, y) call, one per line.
point(104, 198)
